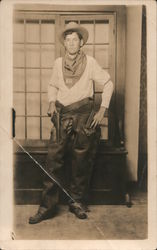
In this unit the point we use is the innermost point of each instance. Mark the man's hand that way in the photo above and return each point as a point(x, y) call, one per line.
point(98, 117)
point(51, 109)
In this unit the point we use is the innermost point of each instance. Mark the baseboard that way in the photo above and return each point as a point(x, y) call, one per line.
point(101, 197)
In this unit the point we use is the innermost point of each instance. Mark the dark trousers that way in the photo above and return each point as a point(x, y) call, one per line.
point(81, 142)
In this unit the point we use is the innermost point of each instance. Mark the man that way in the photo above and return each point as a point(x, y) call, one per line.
point(76, 124)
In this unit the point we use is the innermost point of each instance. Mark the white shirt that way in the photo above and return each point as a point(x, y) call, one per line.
point(57, 89)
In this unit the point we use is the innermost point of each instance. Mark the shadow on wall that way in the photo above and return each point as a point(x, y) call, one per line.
point(142, 160)
point(135, 39)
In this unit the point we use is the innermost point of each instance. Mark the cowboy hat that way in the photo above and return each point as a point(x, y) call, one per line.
point(72, 26)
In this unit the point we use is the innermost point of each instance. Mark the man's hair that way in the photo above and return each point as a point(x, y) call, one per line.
point(69, 32)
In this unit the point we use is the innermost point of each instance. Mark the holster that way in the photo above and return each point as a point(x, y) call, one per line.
point(56, 121)
point(87, 130)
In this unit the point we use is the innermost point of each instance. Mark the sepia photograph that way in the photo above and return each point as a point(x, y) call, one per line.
point(79, 130)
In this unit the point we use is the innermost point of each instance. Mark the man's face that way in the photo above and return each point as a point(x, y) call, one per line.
point(72, 43)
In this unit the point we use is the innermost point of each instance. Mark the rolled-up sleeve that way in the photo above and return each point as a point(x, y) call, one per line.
point(53, 84)
point(102, 77)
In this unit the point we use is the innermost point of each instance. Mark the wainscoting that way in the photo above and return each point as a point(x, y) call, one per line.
point(107, 185)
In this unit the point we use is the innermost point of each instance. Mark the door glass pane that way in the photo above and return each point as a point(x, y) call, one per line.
point(33, 104)
point(102, 31)
point(71, 20)
point(33, 128)
point(104, 128)
point(102, 55)
point(104, 133)
point(46, 75)
point(33, 56)
point(20, 127)
point(32, 31)
point(88, 49)
point(46, 127)
point(18, 80)
point(48, 31)
point(33, 80)
point(47, 55)
point(90, 27)
point(44, 100)
point(18, 32)
point(19, 103)
point(18, 55)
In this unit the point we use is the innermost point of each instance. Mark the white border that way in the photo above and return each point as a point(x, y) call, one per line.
point(6, 183)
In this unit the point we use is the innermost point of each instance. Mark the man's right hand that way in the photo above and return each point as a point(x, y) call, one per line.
point(51, 109)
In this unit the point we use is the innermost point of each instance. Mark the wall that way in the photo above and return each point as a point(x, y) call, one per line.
point(132, 87)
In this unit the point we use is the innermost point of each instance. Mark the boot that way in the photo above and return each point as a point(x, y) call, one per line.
point(78, 210)
point(39, 216)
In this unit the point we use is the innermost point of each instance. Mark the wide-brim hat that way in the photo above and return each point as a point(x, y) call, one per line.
point(72, 26)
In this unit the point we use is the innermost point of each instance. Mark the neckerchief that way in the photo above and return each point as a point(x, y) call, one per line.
point(73, 68)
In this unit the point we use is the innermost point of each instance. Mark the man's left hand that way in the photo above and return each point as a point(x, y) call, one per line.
point(98, 117)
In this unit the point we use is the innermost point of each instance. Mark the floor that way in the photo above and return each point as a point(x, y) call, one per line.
point(104, 222)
